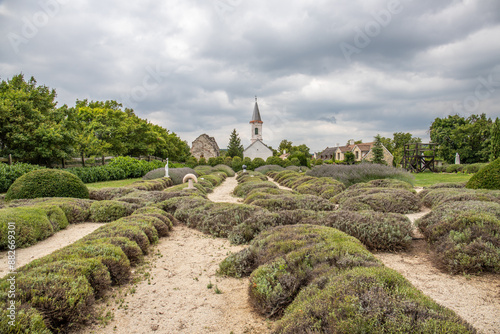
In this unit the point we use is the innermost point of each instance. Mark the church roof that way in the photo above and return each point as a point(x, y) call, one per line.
point(256, 114)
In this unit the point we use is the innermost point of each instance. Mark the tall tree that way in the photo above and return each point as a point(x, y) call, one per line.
point(285, 146)
point(31, 127)
point(378, 151)
point(495, 140)
point(234, 148)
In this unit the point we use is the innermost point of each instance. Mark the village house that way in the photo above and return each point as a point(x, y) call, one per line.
point(362, 152)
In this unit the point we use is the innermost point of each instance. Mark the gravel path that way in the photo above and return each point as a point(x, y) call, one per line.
point(224, 192)
point(59, 240)
point(178, 299)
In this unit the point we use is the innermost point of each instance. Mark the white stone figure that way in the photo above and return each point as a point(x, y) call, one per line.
point(166, 169)
point(457, 159)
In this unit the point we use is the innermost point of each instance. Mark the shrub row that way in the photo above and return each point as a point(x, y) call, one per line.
point(466, 235)
point(433, 197)
point(383, 199)
point(363, 172)
point(142, 186)
point(324, 187)
point(118, 169)
point(64, 285)
point(487, 178)
point(325, 281)
point(9, 173)
point(204, 170)
point(462, 168)
point(176, 174)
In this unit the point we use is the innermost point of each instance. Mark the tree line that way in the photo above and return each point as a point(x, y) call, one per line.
point(33, 129)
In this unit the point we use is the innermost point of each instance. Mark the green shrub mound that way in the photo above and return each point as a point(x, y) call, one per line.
point(367, 300)
point(108, 211)
point(435, 197)
point(395, 200)
point(287, 258)
point(151, 185)
point(47, 183)
point(376, 230)
point(364, 172)
point(276, 203)
point(76, 210)
point(466, 235)
point(324, 186)
point(177, 174)
point(31, 224)
point(487, 178)
point(250, 176)
point(28, 320)
point(243, 189)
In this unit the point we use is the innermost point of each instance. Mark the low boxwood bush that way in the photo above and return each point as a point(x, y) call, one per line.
point(151, 185)
point(435, 197)
point(9, 173)
point(243, 189)
point(367, 300)
point(287, 258)
point(205, 169)
point(378, 199)
point(466, 235)
point(376, 230)
point(324, 186)
point(47, 183)
point(109, 193)
point(280, 202)
point(250, 176)
point(487, 178)
point(31, 224)
point(364, 172)
point(384, 183)
point(27, 320)
point(108, 211)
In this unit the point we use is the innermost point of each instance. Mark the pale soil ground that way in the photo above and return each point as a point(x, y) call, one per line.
point(59, 240)
point(474, 298)
point(224, 192)
point(178, 300)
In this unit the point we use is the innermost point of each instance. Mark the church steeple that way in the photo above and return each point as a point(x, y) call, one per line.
point(256, 113)
point(256, 123)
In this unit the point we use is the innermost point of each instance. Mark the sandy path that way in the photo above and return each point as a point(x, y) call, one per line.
point(475, 298)
point(178, 299)
point(61, 239)
point(224, 192)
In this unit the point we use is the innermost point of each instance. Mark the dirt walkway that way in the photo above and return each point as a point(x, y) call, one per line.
point(61, 239)
point(179, 300)
point(224, 192)
point(475, 298)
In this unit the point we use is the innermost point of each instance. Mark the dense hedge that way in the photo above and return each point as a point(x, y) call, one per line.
point(47, 183)
point(351, 174)
point(9, 173)
point(324, 281)
point(466, 235)
point(380, 199)
point(433, 197)
point(487, 178)
point(118, 169)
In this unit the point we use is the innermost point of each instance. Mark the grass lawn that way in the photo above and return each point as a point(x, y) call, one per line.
point(116, 183)
point(427, 179)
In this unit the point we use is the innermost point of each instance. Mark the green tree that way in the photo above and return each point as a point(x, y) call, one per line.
point(285, 146)
point(349, 158)
point(378, 151)
point(31, 127)
point(495, 140)
point(234, 148)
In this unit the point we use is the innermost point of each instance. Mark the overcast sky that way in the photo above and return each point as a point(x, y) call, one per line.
point(324, 71)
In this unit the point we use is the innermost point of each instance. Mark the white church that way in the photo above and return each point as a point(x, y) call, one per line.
point(257, 148)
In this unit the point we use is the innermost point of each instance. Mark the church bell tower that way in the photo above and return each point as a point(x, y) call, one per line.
point(256, 123)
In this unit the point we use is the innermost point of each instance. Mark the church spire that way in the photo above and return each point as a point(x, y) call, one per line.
point(256, 113)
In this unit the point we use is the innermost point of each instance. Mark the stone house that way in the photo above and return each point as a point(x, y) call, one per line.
point(362, 152)
point(205, 147)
